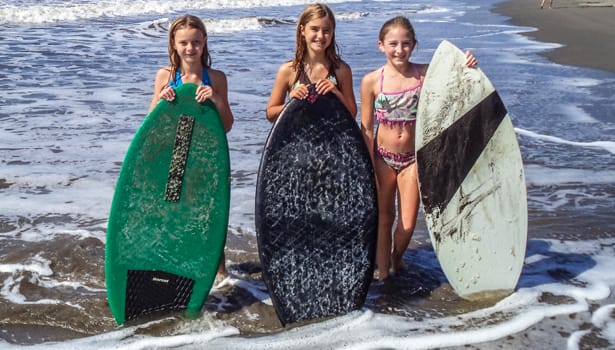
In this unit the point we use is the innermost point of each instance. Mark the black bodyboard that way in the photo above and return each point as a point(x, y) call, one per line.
point(316, 211)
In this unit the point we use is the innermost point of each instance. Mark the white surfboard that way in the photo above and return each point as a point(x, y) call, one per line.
point(471, 178)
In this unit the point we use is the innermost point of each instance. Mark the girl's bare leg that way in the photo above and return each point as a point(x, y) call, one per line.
point(408, 206)
point(386, 179)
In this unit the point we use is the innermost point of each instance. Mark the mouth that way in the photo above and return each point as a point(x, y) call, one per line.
point(400, 57)
point(319, 43)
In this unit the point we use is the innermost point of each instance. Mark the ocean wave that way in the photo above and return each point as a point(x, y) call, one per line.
point(57, 13)
point(608, 146)
point(161, 26)
point(351, 15)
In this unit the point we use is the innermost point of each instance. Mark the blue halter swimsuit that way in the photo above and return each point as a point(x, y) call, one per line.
point(177, 82)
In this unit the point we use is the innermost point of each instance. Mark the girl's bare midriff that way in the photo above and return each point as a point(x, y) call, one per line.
point(396, 138)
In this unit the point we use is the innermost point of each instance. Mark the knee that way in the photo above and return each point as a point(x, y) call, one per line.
point(406, 226)
point(386, 217)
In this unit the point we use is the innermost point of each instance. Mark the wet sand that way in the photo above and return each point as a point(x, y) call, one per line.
point(584, 27)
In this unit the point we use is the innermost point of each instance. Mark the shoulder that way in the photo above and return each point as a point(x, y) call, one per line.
point(216, 75)
point(343, 66)
point(343, 69)
point(286, 73)
point(372, 77)
point(422, 68)
point(163, 73)
point(218, 79)
point(286, 68)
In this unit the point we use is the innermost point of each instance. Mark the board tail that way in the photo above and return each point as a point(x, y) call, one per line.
point(152, 291)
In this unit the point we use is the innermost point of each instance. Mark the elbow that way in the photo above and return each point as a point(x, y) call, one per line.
point(352, 108)
point(368, 134)
point(271, 116)
point(227, 122)
point(229, 125)
point(353, 112)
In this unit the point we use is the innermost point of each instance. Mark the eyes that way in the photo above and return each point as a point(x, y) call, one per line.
point(404, 44)
point(190, 37)
point(317, 29)
point(193, 43)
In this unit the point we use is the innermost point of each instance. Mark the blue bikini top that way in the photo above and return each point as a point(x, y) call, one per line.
point(177, 82)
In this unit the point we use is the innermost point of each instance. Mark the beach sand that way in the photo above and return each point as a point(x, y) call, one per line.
point(584, 27)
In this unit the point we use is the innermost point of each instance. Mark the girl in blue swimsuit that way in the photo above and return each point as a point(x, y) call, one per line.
point(191, 63)
point(390, 95)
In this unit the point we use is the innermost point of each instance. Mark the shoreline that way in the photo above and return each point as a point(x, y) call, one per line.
point(583, 27)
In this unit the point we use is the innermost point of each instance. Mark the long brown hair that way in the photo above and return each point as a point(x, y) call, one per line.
point(183, 22)
point(311, 12)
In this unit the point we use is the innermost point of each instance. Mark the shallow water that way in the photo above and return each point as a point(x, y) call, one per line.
point(76, 79)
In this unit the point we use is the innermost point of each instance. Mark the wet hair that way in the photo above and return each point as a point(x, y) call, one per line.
point(312, 12)
point(183, 22)
point(399, 21)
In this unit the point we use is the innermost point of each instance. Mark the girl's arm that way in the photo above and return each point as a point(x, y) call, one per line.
point(367, 110)
point(277, 98)
point(161, 90)
point(344, 75)
point(219, 96)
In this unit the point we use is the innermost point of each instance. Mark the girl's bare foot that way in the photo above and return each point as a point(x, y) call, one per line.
point(380, 277)
point(397, 264)
point(220, 277)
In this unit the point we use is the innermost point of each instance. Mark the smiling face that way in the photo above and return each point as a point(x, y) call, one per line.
point(315, 36)
point(318, 34)
point(397, 45)
point(186, 34)
point(189, 44)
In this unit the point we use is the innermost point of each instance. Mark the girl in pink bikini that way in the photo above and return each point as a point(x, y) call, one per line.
point(390, 95)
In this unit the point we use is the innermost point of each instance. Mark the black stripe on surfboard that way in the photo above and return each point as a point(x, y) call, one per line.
point(446, 160)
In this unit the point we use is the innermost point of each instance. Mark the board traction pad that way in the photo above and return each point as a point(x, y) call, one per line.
point(153, 291)
point(179, 158)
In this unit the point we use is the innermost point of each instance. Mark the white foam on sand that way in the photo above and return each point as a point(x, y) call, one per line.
point(590, 279)
point(36, 270)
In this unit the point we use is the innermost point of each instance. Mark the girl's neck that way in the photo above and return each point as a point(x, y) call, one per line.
point(316, 59)
point(191, 73)
point(405, 70)
point(191, 68)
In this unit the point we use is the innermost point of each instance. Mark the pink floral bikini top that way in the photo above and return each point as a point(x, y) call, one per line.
point(395, 108)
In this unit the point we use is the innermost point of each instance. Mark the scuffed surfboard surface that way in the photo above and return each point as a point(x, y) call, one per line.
point(471, 177)
point(316, 211)
point(169, 214)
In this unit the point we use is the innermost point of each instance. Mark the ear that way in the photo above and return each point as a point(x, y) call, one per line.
point(380, 46)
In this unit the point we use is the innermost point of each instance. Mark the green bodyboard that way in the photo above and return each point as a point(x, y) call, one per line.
point(169, 216)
